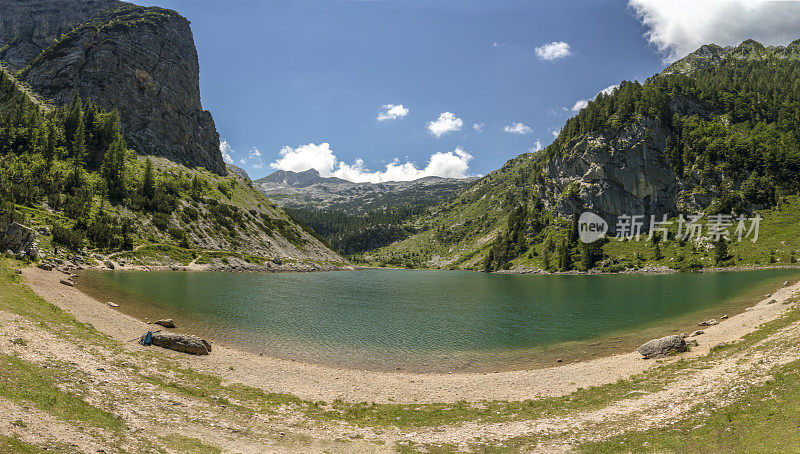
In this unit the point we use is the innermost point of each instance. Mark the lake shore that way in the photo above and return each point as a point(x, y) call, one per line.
point(644, 270)
point(314, 382)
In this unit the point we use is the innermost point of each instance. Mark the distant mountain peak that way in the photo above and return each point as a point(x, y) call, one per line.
point(710, 54)
point(299, 179)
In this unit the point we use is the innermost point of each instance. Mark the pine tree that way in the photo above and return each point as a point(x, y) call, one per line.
point(113, 169)
point(73, 116)
point(50, 146)
point(721, 251)
point(487, 263)
point(78, 149)
point(196, 188)
point(149, 181)
point(564, 256)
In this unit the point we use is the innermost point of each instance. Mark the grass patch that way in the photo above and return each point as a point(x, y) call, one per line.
point(12, 445)
point(182, 443)
point(19, 299)
point(27, 383)
point(765, 419)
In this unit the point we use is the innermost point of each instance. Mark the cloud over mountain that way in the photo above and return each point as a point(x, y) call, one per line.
point(452, 164)
point(678, 27)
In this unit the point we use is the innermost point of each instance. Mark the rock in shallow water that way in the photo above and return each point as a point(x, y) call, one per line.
point(166, 323)
point(663, 347)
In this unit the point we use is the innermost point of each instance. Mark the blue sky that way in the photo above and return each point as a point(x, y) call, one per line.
point(297, 84)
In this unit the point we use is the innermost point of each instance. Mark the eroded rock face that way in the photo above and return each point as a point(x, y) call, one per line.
point(627, 174)
point(140, 61)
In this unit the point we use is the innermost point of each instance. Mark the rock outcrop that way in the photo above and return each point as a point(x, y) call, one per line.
point(611, 176)
point(663, 347)
point(18, 239)
point(140, 61)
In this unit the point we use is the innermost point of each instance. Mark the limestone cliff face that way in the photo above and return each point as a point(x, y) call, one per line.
point(29, 27)
point(611, 176)
point(140, 61)
point(626, 172)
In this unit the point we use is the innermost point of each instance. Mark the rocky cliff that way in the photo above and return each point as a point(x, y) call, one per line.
point(29, 27)
point(623, 172)
point(140, 61)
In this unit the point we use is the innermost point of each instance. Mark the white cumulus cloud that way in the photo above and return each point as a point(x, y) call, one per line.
point(517, 128)
point(537, 146)
point(446, 123)
point(226, 150)
point(392, 112)
point(581, 103)
point(478, 127)
point(451, 164)
point(553, 51)
point(678, 27)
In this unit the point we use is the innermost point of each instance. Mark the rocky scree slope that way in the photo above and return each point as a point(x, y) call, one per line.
point(140, 61)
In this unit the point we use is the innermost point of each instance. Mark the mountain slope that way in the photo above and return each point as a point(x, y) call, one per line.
point(68, 172)
point(139, 61)
point(357, 217)
point(715, 132)
point(309, 190)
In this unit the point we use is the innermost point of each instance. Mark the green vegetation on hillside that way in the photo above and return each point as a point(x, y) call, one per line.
point(69, 170)
point(353, 234)
point(731, 140)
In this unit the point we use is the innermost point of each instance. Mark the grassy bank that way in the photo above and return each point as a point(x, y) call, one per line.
point(68, 373)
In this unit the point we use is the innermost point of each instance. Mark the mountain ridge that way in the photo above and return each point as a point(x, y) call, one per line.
point(141, 61)
point(682, 142)
point(67, 172)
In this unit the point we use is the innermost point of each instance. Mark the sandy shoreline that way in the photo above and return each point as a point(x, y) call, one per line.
point(313, 382)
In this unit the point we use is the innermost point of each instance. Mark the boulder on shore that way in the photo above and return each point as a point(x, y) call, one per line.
point(166, 323)
point(67, 282)
point(181, 343)
point(711, 322)
point(663, 347)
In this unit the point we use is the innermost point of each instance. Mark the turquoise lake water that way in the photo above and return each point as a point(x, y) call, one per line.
point(431, 320)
